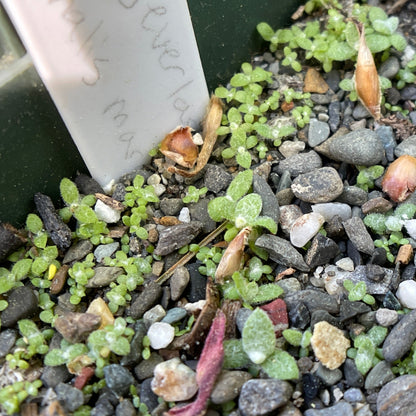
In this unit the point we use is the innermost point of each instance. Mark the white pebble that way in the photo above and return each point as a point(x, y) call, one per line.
point(406, 293)
point(329, 209)
point(345, 264)
point(184, 215)
point(386, 317)
point(410, 226)
point(195, 306)
point(105, 213)
point(305, 228)
point(174, 381)
point(197, 139)
point(153, 179)
point(159, 189)
point(160, 334)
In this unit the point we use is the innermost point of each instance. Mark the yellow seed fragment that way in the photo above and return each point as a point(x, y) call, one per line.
point(52, 271)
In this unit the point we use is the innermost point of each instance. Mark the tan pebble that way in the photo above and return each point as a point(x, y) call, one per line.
point(314, 82)
point(100, 308)
point(405, 254)
point(329, 345)
point(157, 268)
point(174, 381)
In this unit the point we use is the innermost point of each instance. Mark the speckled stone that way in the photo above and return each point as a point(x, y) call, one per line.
point(359, 147)
point(281, 251)
point(398, 397)
point(228, 386)
point(263, 396)
point(300, 163)
point(319, 185)
point(358, 235)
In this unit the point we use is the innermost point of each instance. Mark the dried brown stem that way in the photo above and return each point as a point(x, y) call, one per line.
point(188, 256)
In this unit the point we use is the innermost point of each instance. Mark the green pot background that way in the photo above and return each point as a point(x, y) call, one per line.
point(36, 150)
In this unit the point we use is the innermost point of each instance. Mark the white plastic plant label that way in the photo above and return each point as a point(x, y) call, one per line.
point(122, 73)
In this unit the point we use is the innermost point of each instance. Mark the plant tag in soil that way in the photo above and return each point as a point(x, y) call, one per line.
point(122, 73)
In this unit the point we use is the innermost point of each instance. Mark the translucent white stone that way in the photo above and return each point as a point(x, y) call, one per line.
point(160, 334)
point(105, 213)
point(410, 226)
point(346, 264)
point(184, 215)
point(305, 228)
point(329, 209)
point(406, 293)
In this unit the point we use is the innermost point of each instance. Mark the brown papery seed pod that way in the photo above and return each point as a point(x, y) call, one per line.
point(399, 181)
point(367, 83)
point(179, 146)
point(233, 255)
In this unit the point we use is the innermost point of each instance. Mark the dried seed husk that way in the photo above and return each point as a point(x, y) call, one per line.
point(399, 181)
point(179, 146)
point(366, 78)
point(211, 123)
point(233, 255)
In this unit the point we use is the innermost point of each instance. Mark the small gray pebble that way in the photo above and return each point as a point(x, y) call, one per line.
point(105, 250)
point(342, 408)
point(389, 68)
point(216, 178)
point(7, 340)
point(406, 147)
point(318, 132)
point(317, 186)
point(145, 369)
point(126, 408)
point(118, 378)
point(300, 163)
point(261, 397)
point(400, 338)
point(359, 147)
point(379, 375)
point(22, 303)
point(174, 315)
point(69, 396)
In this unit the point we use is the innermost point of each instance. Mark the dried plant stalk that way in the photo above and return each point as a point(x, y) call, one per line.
point(211, 123)
point(367, 83)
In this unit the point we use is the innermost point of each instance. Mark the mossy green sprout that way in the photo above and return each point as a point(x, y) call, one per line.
point(367, 176)
point(366, 351)
point(137, 198)
point(389, 227)
point(32, 342)
point(258, 347)
point(193, 194)
point(89, 226)
point(134, 269)
point(337, 40)
point(358, 292)
point(79, 274)
point(245, 120)
point(240, 209)
point(14, 394)
point(249, 291)
point(299, 339)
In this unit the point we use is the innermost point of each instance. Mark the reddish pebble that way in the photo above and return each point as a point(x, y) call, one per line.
point(277, 312)
point(83, 377)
